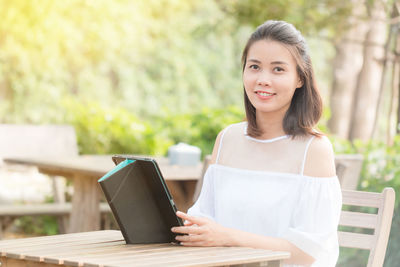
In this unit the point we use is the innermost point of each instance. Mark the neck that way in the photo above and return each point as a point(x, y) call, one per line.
point(271, 125)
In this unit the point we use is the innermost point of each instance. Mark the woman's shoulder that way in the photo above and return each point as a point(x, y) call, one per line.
point(320, 158)
point(227, 133)
point(321, 144)
point(232, 130)
point(236, 127)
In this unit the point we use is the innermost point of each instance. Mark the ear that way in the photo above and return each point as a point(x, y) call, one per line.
point(299, 83)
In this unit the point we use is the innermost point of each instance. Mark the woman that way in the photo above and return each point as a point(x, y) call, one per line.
point(272, 182)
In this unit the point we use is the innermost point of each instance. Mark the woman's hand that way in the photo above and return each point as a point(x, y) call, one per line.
point(201, 231)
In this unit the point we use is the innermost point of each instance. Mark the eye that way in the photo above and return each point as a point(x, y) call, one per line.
point(278, 69)
point(254, 67)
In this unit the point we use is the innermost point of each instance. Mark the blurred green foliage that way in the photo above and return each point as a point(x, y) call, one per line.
point(200, 128)
point(329, 17)
point(37, 225)
point(102, 130)
point(144, 56)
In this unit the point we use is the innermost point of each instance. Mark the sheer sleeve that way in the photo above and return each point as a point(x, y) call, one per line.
point(313, 226)
point(204, 206)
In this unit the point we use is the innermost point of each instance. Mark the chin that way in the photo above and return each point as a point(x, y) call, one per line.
point(272, 110)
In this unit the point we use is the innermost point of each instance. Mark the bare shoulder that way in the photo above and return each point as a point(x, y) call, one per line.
point(320, 158)
point(226, 134)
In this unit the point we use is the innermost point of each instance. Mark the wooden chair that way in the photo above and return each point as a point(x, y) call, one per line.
point(381, 222)
point(348, 169)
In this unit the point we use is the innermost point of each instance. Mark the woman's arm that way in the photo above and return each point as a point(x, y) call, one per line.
point(205, 232)
point(320, 160)
point(244, 239)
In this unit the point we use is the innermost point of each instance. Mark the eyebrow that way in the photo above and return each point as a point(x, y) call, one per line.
point(272, 63)
point(279, 63)
point(254, 60)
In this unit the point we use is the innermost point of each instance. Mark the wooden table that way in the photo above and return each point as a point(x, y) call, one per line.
point(85, 170)
point(107, 248)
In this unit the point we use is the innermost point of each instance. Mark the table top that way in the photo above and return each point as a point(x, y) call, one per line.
point(98, 165)
point(108, 248)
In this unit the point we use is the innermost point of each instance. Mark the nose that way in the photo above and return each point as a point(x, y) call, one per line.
point(263, 79)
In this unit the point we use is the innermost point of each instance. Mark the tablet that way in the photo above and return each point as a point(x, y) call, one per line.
point(140, 201)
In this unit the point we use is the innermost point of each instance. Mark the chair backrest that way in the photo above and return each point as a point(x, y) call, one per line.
point(20, 140)
point(348, 169)
point(381, 222)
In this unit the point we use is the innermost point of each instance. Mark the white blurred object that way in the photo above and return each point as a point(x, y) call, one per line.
point(23, 184)
point(184, 154)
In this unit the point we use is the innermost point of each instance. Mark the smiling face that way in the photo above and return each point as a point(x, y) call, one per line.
point(270, 77)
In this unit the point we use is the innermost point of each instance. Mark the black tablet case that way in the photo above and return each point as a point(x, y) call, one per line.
point(141, 203)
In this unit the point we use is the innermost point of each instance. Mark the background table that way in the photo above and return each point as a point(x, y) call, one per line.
point(85, 170)
point(107, 248)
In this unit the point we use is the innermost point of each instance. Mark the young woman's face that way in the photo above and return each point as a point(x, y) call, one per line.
point(270, 77)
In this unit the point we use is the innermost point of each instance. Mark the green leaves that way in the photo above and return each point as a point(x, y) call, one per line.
point(200, 128)
point(140, 55)
point(104, 130)
point(310, 17)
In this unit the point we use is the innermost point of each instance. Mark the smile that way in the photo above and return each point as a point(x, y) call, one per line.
point(261, 93)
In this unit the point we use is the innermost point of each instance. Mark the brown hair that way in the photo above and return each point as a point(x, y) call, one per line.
point(306, 106)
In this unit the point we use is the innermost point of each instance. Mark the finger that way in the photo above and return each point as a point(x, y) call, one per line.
point(188, 223)
point(192, 219)
point(189, 238)
point(187, 230)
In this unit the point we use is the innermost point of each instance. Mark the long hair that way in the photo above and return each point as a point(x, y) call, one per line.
point(306, 106)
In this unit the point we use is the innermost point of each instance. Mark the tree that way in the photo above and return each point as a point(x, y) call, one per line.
point(311, 17)
point(369, 79)
point(347, 66)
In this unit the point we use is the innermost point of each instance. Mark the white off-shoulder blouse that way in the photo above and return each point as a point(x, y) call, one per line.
point(245, 190)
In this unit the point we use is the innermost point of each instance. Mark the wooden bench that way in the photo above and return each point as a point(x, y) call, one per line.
point(9, 212)
point(44, 208)
point(39, 140)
